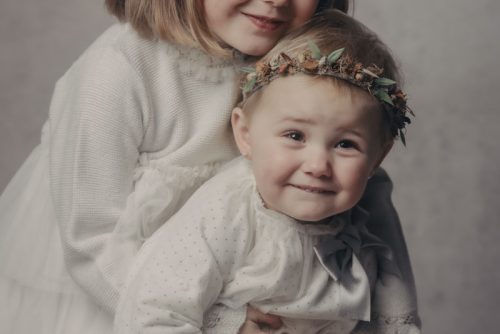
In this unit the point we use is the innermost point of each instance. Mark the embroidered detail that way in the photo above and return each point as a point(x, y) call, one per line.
point(405, 319)
point(196, 63)
point(189, 176)
point(211, 318)
point(408, 323)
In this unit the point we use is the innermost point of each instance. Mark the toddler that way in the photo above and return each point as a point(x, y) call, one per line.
point(280, 228)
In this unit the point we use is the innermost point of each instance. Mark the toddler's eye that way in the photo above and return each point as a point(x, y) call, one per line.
point(346, 144)
point(295, 135)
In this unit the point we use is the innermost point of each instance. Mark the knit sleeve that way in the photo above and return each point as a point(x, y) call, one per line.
point(98, 117)
point(395, 299)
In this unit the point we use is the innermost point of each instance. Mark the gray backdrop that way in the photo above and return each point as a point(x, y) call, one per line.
point(447, 183)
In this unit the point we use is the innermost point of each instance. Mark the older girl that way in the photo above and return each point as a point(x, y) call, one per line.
point(136, 124)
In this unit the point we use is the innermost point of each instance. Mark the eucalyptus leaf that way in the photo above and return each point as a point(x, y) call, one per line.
point(249, 85)
point(377, 90)
point(384, 82)
point(383, 96)
point(315, 51)
point(402, 136)
point(247, 69)
point(335, 55)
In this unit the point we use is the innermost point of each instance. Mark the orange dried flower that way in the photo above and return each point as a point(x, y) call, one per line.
point(262, 69)
point(310, 65)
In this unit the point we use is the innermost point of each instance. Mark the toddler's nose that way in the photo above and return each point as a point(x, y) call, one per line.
point(318, 164)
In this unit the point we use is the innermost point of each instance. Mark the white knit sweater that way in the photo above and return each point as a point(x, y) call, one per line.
point(135, 127)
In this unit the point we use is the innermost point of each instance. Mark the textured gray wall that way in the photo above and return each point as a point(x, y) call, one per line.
point(447, 183)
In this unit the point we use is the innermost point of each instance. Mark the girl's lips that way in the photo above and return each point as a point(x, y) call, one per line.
point(265, 23)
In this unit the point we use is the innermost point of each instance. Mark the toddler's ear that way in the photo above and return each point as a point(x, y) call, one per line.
point(386, 148)
point(239, 123)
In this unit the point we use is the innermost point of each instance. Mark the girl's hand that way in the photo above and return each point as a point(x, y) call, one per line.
point(258, 322)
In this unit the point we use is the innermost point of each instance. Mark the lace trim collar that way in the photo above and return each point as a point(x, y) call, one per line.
point(331, 227)
point(202, 66)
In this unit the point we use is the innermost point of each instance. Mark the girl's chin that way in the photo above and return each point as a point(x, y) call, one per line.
point(257, 50)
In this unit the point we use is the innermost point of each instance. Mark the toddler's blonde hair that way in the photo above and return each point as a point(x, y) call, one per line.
point(331, 30)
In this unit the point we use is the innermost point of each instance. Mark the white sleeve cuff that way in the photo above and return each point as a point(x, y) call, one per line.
point(220, 319)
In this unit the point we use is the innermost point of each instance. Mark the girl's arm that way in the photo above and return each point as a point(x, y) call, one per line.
point(98, 117)
point(401, 301)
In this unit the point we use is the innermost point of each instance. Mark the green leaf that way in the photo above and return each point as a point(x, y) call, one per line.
point(410, 111)
point(383, 96)
point(315, 51)
point(335, 55)
point(249, 85)
point(247, 69)
point(384, 82)
point(402, 136)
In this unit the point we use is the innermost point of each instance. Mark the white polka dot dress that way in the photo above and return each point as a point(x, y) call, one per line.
point(223, 246)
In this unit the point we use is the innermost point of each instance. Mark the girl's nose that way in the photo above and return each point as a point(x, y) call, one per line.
point(318, 164)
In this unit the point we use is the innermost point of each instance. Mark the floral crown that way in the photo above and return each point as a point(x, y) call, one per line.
point(338, 65)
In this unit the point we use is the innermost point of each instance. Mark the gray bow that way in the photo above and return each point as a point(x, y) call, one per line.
point(336, 253)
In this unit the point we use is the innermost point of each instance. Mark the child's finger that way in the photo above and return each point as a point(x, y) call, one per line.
point(250, 327)
point(264, 320)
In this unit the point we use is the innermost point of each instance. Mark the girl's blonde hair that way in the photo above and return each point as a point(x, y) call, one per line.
point(181, 21)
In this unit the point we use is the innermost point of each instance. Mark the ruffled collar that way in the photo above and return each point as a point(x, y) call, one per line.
point(329, 227)
point(202, 66)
